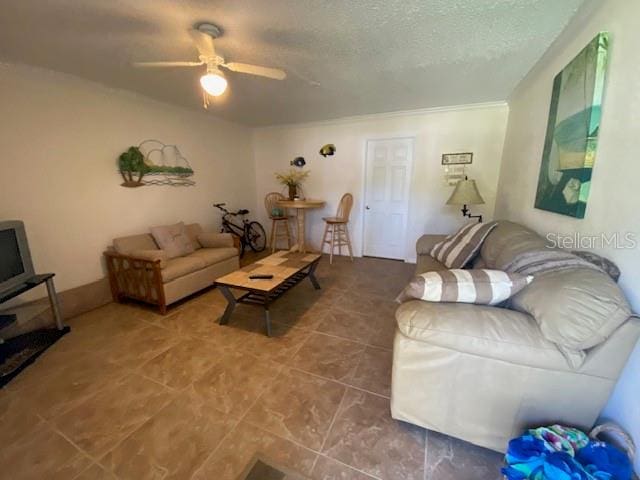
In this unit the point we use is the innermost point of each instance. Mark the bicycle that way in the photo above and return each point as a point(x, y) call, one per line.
point(250, 232)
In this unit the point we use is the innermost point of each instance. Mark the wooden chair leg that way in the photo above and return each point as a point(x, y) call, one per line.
point(274, 226)
point(286, 227)
point(324, 237)
point(281, 225)
point(333, 238)
point(340, 241)
point(346, 231)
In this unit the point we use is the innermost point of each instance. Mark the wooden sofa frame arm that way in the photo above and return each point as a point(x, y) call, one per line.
point(136, 278)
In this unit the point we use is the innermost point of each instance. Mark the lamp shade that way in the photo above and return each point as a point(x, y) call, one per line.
point(465, 193)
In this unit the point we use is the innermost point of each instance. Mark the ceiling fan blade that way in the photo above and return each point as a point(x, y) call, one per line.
point(274, 73)
point(204, 43)
point(166, 64)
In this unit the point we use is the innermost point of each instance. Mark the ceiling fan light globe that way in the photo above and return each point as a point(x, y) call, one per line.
point(214, 84)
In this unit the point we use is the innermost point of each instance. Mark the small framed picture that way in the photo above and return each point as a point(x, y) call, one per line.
point(464, 158)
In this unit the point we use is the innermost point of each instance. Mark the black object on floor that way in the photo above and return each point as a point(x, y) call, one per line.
point(262, 469)
point(19, 352)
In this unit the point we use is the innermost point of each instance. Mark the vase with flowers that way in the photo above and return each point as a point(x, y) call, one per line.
point(292, 179)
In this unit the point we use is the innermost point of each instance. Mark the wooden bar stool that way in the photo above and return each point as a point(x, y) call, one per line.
point(337, 227)
point(277, 221)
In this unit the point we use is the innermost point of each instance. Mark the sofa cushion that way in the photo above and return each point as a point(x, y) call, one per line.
point(173, 239)
point(577, 309)
point(458, 249)
point(215, 240)
point(181, 266)
point(482, 287)
point(425, 243)
point(506, 241)
point(210, 256)
point(485, 331)
point(426, 263)
point(125, 245)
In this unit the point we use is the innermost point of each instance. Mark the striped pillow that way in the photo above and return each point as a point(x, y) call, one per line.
point(458, 249)
point(483, 287)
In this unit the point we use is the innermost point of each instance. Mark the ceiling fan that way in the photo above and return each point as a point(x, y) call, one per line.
point(214, 82)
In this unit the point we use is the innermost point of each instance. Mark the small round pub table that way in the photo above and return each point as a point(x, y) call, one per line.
point(300, 206)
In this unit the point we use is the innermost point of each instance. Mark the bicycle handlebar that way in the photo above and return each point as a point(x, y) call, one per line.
point(220, 206)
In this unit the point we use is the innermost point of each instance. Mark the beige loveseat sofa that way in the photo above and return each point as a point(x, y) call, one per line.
point(484, 374)
point(136, 273)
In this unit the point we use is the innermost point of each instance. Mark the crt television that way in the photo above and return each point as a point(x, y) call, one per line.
point(15, 259)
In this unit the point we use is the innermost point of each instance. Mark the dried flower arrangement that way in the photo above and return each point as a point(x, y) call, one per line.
point(292, 179)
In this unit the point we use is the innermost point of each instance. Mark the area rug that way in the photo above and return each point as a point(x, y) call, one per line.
point(19, 352)
point(262, 468)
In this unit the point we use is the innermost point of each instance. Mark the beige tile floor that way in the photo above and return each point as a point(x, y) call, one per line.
point(130, 394)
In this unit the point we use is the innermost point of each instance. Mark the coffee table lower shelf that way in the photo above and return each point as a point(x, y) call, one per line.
point(261, 298)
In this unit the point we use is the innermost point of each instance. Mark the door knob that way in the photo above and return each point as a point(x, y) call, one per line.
point(367, 207)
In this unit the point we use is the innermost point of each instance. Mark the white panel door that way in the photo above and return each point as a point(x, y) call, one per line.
point(388, 180)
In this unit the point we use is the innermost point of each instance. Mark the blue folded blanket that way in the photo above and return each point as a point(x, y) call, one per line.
point(532, 458)
point(604, 461)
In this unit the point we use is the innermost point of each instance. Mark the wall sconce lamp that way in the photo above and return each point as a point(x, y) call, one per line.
point(466, 193)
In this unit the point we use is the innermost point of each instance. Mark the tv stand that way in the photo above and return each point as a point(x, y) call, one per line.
point(46, 278)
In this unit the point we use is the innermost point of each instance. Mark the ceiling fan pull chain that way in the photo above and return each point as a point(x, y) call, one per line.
point(205, 100)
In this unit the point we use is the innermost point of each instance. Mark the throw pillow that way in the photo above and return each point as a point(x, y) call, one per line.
point(458, 249)
point(173, 239)
point(482, 287)
point(576, 309)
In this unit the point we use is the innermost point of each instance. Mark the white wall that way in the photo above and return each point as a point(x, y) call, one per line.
point(615, 196)
point(479, 129)
point(60, 139)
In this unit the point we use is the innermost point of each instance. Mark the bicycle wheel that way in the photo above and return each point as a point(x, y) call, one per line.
point(256, 237)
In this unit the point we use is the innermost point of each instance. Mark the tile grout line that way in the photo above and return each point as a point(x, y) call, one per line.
point(174, 394)
point(347, 465)
point(358, 342)
point(85, 470)
point(237, 422)
point(333, 420)
point(334, 417)
point(317, 452)
point(288, 437)
point(97, 389)
point(56, 430)
point(97, 460)
point(339, 382)
point(136, 372)
point(355, 370)
point(147, 319)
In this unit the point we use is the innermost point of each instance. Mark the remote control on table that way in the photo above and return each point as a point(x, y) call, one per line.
point(260, 277)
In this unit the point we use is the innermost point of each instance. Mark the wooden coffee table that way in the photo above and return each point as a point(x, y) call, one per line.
point(288, 269)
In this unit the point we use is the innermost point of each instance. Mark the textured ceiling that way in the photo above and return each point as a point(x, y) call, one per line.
point(369, 56)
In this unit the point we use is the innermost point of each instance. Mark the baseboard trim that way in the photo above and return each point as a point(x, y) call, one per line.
point(84, 298)
point(73, 302)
